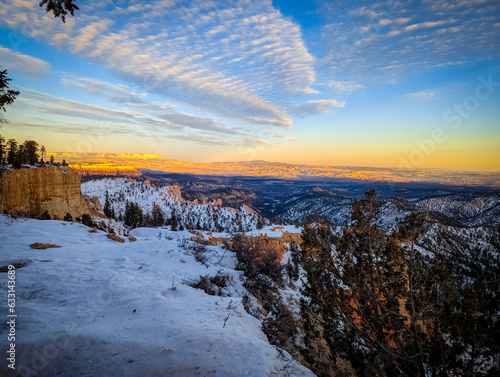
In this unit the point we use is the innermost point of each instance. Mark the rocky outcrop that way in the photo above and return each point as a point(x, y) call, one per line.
point(33, 191)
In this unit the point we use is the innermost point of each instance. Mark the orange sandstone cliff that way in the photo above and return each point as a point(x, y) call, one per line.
point(34, 191)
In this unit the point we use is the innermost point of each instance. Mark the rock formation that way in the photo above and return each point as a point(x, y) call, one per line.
point(31, 192)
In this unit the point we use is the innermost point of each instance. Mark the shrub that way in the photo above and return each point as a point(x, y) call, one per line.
point(45, 216)
point(211, 285)
point(87, 221)
point(281, 327)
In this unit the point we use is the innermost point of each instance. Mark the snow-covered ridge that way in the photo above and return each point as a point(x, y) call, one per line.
point(211, 216)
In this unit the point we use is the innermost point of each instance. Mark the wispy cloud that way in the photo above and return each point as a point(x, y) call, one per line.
point(314, 107)
point(281, 135)
point(423, 95)
point(90, 117)
point(22, 64)
point(382, 40)
point(429, 24)
point(112, 92)
point(202, 54)
point(345, 87)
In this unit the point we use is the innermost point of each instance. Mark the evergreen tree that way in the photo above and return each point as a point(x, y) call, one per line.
point(260, 225)
point(133, 215)
point(3, 151)
point(107, 206)
point(52, 160)
point(12, 151)
point(7, 96)
point(19, 158)
point(68, 217)
point(173, 223)
point(30, 148)
point(60, 8)
point(42, 150)
point(157, 216)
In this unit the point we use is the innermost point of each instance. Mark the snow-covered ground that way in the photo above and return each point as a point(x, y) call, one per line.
point(121, 190)
point(95, 307)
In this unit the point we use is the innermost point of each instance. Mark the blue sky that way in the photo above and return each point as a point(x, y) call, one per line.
point(323, 82)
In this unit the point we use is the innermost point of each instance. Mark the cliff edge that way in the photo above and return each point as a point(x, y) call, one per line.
point(54, 189)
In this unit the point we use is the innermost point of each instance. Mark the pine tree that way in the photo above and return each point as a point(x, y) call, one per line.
point(3, 151)
point(133, 215)
point(12, 151)
point(68, 217)
point(260, 225)
point(355, 293)
point(43, 150)
point(19, 158)
point(107, 206)
point(7, 96)
point(173, 223)
point(30, 148)
point(157, 216)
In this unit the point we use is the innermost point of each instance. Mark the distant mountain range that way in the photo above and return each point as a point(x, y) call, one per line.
point(280, 170)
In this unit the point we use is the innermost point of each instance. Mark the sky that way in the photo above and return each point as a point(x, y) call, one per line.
point(402, 84)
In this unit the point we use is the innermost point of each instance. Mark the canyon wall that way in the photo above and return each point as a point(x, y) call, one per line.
point(31, 192)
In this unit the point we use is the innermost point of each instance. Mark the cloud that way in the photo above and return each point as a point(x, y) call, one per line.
point(47, 104)
point(90, 118)
point(22, 64)
point(281, 135)
point(314, 107)
point(428, 24)
point(112, 92)
point(400, 37)
point(202, 123)
point(345, 87)
point(198, 53)
point(423, 95)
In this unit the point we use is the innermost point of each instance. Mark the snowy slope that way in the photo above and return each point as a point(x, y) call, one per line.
point(210, 217)
point(472, 209)
point(95, 307)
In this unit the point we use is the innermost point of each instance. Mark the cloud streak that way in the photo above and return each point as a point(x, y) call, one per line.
point(87, 118)
point(22, 64)
point(111, 92)
point(314, 107)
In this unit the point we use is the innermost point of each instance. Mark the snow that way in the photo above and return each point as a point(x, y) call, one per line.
point(275, 230)
point(95, 307)
point(121, 190)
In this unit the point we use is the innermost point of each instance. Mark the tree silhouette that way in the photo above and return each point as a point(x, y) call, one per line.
point(7, 96)
point(59, 7)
